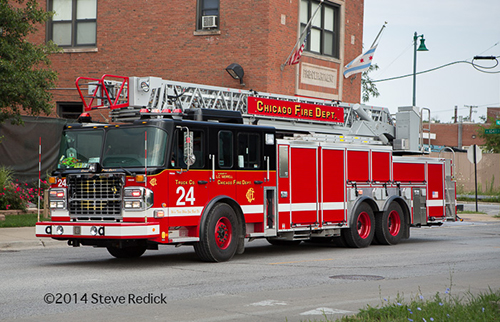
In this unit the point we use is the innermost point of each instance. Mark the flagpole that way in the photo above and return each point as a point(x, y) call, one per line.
point(378, 35)
point(302, 34)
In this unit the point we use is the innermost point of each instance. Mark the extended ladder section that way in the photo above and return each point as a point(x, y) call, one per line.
point(129, 98)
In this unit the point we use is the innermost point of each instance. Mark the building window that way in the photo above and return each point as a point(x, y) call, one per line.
point(69, 110)
point(208, 15)
point(323, 37)
point(74, 22)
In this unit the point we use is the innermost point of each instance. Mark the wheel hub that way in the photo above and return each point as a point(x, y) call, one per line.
point(364, 225)
point(223, 232)
point(394, 223)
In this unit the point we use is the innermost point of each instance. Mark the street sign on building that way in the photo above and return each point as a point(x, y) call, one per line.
point(498, 122)
point(492, 131)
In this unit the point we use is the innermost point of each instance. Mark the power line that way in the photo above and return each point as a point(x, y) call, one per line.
point(477, 67)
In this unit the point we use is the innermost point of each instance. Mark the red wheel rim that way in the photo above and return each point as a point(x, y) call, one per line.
point(223, 233)
point(394, 223)
point(364, 225)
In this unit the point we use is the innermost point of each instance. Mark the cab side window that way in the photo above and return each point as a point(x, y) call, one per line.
point(249, 151)
point(225, 149)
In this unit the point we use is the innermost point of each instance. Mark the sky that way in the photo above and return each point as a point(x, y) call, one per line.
point(454, 30)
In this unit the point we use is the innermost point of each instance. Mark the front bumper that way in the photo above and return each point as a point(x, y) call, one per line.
point(97, 230)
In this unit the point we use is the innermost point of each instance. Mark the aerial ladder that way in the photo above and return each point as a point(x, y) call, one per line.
point(129, 98)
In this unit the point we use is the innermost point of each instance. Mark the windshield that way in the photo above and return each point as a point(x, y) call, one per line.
point(123, 147)
point(79, 148)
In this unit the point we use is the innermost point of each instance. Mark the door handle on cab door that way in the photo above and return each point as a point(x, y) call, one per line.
point(202, 182)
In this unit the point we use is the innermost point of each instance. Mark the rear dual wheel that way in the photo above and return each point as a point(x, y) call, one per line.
point(361, 231)
point(218, 235)
point(390, 225)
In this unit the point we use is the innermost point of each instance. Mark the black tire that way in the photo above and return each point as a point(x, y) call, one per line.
point(219, 235)
point(127, 252)
point(283, 242)
point(390, 225)
point(362, 228)
point(339, 241)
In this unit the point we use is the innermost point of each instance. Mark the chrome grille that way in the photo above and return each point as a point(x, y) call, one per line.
point(95, 197)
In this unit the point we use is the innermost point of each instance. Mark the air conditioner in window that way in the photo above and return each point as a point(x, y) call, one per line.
point(208, 22)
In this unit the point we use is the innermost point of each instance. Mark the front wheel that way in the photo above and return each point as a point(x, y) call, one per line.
point(361, 231)
point(218, 235)
point(389, 227)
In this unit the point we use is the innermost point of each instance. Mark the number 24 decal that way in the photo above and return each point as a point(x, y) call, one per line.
point(185, 196)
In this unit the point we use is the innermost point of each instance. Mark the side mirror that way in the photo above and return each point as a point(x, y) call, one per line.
point(189, 158)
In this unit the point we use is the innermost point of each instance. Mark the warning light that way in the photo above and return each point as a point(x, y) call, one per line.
point(84, 118)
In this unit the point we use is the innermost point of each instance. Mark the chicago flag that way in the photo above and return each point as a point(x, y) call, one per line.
point(360, 63)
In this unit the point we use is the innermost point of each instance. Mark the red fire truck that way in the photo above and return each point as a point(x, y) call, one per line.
point(187, 164)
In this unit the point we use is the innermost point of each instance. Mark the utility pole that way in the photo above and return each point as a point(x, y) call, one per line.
point(470, 111)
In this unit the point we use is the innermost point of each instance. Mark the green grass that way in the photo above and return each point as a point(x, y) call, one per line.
point(24, 220)
point(470, 212)
point(441, 307)
point(488, 199)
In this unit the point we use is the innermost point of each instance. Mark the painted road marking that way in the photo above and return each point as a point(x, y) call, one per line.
point(267, 303)
point(324, 311)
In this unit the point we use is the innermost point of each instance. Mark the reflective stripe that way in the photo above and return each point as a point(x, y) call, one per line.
point(332, 206)
point(184, 211)
point(435, 203)
point(253, 209)
point(304, 206)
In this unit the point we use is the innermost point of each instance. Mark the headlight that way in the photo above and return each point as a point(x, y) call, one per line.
point(57, 198)
point(137, 198)
point(133, 193)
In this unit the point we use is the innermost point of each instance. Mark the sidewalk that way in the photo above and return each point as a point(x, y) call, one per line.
point(24, 238)
point(13, 239)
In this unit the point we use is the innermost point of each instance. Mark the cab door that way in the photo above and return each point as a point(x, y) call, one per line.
point(187, 189)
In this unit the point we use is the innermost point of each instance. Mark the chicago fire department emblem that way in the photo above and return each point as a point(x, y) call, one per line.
point(153, 182)
point(249, 195)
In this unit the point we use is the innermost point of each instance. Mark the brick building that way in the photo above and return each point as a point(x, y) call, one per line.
point(195, 40)
point(461, 134)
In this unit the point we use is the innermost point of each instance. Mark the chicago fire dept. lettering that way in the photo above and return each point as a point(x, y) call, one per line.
point(234, 182)
point(297, 110)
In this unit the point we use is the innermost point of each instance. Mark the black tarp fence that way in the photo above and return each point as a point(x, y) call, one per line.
point(19, 146)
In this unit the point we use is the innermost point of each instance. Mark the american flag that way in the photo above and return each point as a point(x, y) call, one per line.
point(294, 58)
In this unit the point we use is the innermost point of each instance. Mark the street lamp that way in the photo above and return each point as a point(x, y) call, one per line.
point(421, 47)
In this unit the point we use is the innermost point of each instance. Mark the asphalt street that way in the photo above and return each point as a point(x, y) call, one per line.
point(266, 283)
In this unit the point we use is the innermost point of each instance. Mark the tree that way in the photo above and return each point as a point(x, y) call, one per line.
point(25, 76)
point(492, 141)
point(368, 88)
